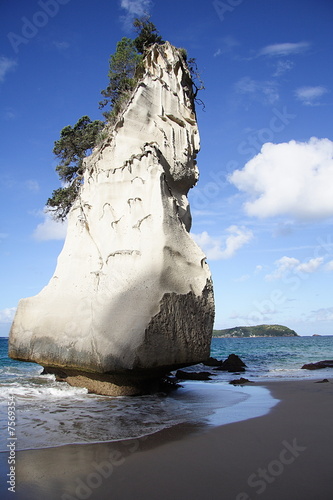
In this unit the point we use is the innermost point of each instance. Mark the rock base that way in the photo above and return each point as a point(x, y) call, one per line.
point(112, 384)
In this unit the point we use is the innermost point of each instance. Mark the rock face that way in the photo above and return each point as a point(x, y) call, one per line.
point(131, 297)
point(184, 375)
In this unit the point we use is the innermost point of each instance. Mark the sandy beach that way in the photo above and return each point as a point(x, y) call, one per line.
point(284, 455)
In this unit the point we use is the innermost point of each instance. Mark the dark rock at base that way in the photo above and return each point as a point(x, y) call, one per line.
point(135, 384)
point(240, 381)
point(183, 375)
point(328, 363)
point(232, 364)
point(321, 381)
point(213, 362)
point(168, 384)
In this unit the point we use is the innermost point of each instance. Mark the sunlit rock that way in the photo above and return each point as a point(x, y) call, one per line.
point(131, 297)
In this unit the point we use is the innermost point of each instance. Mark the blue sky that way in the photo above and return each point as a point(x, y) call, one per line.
point(263, 207)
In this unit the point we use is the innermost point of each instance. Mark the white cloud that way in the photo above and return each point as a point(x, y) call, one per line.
point(265, 92)
point(284, 49)
point(136, 7)
point(7, 314)
point(6, 65)
point(246, 85)
point(223, 247)
point(227, 45)
point(329, 266)
point(310, 95)
point(290, 264)
point(283, 265)
point(310, 266)
point(282, 66)
point(293, 178)
point(49, 229)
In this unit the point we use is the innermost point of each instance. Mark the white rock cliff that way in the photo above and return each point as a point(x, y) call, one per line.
point(131, 297)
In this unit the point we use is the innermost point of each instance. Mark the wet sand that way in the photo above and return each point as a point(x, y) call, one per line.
point(284, 455)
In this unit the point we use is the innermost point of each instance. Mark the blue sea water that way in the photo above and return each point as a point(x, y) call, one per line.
point(50, 413)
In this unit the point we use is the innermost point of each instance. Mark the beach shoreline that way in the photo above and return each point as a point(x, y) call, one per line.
point(284, 454)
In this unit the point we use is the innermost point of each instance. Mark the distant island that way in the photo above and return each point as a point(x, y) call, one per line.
point(256, 331)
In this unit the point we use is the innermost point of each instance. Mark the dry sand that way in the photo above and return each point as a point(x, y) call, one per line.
point(284, 455)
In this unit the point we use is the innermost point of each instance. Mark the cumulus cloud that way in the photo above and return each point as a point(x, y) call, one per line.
point(6, 65)
point(309, 96)
point(223, 247)
point(284, 49)
point(49, 229)
point(262, 91)
point(282, 266)
point(290, 264)
point(7, 314)
point(310, 266)
point(293, 178)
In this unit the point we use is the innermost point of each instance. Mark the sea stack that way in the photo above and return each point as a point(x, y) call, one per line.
point(131, 297)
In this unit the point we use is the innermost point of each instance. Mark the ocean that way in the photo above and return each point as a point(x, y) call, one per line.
point(50, 413)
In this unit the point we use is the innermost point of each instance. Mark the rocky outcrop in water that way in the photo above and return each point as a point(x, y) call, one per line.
point(327, 363)
point(131, 297)
point(233, 363)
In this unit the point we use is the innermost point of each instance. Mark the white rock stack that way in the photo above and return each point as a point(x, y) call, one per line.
point(131, 297)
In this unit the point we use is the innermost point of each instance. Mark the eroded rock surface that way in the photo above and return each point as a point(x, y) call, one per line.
point(131, 297)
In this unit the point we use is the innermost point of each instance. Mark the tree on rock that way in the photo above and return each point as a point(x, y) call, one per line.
point(147, 34)
point(72, 147)
point(122, 68)
point(75, 143)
